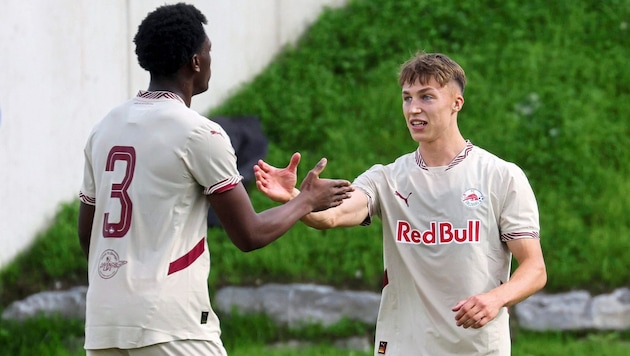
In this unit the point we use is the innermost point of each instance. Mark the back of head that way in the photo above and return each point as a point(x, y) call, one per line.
point(168, 37)
point(426, 66)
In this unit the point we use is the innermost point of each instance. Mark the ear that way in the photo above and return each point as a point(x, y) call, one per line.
point(458, 103)
point(194, 63)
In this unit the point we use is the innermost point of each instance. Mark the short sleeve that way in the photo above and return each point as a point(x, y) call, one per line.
point(368, 182)
point(87, 193)
point(211, 159)
point(519, 217)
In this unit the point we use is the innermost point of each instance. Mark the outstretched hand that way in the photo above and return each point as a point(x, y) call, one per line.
point(278, 184)
point(325, 193)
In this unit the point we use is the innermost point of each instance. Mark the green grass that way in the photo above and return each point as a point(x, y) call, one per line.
point(549, 89)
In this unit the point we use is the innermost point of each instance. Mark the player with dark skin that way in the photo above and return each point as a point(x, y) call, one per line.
point(247, 229)
point(152, 169)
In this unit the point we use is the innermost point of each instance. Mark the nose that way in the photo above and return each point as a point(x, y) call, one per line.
point(415, 108)
point(415, 105)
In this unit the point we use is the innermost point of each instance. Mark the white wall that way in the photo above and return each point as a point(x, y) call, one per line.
point(65, 63)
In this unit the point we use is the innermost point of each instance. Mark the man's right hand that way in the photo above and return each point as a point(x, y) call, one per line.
point(326, 193)
point(279, 184)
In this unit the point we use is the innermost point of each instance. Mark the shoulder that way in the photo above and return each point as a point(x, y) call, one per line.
point(398, 167)
point(402, 162)
point(491, 160)
point(497, 167)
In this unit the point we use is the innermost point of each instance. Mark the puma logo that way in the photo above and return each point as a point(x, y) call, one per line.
point(406, 199)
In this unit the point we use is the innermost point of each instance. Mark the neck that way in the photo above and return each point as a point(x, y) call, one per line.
point(174, 86)
point(437, 154)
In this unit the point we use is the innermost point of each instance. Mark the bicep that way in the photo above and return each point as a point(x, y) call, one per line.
point(526, 250)
point(232, 207)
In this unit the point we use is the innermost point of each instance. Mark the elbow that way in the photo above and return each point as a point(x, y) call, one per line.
point(247, 247)
point(541, 278)
point(248, 243)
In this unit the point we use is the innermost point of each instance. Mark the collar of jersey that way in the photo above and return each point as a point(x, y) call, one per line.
point(460, 157)
point(159, 94)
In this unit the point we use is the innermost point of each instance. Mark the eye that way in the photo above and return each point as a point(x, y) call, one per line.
point(407, 99)
point(427, 97)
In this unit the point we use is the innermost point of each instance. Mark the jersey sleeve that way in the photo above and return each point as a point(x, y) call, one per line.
point(519, 217)
point(87, 193)
point(367, 182)
point(211, 159)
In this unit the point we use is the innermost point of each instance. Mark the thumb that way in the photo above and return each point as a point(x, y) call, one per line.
point(319, 167)
point(295, 161)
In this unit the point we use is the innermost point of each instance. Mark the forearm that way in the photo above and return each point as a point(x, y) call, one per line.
point(352, 212)
point(272, 223)
point(319, 220)
point(249, 230)
point(84, 229)
point(527, 279)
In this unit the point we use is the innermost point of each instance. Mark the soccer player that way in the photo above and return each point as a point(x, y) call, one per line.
point(153, 167)
point(453, 216)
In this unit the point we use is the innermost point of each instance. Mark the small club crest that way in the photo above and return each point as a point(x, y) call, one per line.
point(472, 198)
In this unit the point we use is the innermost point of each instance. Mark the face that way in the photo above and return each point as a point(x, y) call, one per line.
point(202, 60)
point(431, 110)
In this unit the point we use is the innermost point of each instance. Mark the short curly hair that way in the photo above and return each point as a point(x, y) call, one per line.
point(168, 37)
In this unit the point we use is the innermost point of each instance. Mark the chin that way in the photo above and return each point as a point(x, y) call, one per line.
point(200, 90)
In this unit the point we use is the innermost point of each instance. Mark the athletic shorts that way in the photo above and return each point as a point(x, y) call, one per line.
point(171, 348)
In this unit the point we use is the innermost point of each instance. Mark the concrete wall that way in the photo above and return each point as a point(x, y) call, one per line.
point(65, 63)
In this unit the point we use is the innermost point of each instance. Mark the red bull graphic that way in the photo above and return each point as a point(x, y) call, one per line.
point(439, 233)
point(472, 198)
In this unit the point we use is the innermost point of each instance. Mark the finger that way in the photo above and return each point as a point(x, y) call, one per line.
point(319, 167)
point(481, 322)
point(260, 175)
point(295, 161)
point(458, 305)
point(342, 183)
point(264, 166)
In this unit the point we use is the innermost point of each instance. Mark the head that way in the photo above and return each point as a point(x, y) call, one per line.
point(172, 37)
point(432, 92)
point(426, 66)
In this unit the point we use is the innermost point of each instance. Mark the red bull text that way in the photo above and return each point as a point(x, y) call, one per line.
point(439, 233)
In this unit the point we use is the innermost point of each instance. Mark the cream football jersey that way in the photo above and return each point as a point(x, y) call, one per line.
point(444, 233)
point(149, 165)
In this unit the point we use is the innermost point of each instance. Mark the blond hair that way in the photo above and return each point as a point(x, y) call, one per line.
point(426, 66)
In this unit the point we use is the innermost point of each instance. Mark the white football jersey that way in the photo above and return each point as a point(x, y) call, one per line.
point(149, 165)
point(444, 233)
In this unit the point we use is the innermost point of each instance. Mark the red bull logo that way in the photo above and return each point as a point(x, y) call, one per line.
point(439, 233)
point(472, 198)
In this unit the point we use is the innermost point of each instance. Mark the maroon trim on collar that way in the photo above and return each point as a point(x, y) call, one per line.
point(144, 94)
point(460, 157)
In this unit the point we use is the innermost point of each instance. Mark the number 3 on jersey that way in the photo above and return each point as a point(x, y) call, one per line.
point(119, 191)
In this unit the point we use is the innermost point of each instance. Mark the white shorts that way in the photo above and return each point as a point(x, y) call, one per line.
point(171, 348)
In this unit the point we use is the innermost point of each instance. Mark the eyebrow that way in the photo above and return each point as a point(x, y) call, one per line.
point(423, 90)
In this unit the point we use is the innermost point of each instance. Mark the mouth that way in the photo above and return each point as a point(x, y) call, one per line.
point(418, 123)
